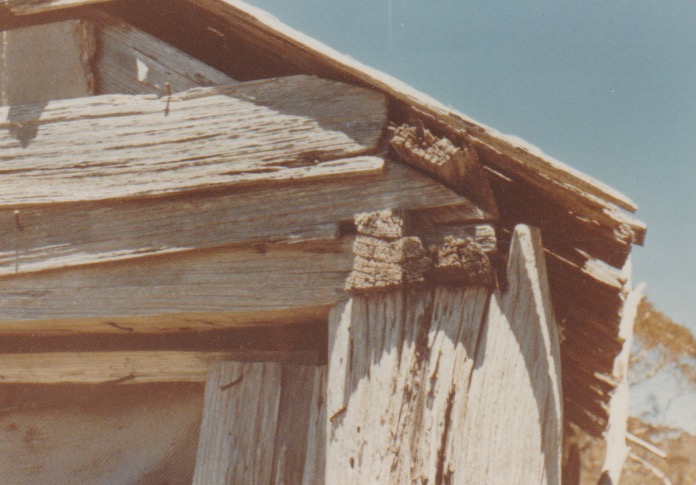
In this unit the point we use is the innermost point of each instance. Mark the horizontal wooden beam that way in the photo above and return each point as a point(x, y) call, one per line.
point(57, 235)
point(207, 289)
point(134, 367)
point(24, 7)
point(203, 289)
point(263, 423)
point(114, 146)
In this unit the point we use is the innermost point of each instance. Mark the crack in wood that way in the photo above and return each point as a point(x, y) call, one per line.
point(238, 380)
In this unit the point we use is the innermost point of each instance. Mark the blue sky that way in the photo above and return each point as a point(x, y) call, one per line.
point(608, 87)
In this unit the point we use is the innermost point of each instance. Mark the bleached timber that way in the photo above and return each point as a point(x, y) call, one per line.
point(206, 289)
point(587, 237)
point(202, 290)
point(128, 367)
point(51, 236)
point(547, 175)
point(427, 385)
point(578, 215)
point(130, 61)
point(575, 190)
point(119, 145)
point(515, 389)
point(262, 423)
point(22, 7)
point(61, 54)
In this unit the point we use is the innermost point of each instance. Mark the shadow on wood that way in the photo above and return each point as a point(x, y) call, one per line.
point(430, 385)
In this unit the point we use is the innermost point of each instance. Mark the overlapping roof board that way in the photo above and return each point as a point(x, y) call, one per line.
point(587, 226)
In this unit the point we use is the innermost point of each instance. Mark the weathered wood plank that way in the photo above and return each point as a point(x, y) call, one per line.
point(117, 145)
point(515, 388)
point(130, 61)
point(399, 364)
point(427, 385)
point(256, 424)
point(240, 418)
point(616, 434)
point(60, 55)
point(57, 235)
point(202, 289)
point(24, 7)
point(128, 367)
point(308, 55)
point(435, 234)
point(99, 434)
point(456, 166)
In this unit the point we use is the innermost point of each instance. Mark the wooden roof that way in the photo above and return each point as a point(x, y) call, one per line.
point(587, 227)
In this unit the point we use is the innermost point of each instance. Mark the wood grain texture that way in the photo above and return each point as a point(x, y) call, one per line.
point(515, 389)
point(616, 435)
point(128, 367)
point(130, 61)
point(398, 365)
point(429, 385)
point(203, 289)
point(573, 210)
point(24, 7)
point(61, 55)
point(58, 235)
point(309, 55)
point(256, 424)
point(117, 145)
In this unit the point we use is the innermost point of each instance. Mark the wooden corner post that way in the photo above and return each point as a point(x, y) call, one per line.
point(440, 381)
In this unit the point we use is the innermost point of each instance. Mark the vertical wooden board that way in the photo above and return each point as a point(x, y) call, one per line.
point(239, 424)
point(398, 365)
point(45, 62)
point(513, 420)
point(299, 452)
point(616, 433)
point(131, 61)
point(263, 423)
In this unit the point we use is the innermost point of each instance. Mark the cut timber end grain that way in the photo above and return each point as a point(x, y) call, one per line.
point(384, 265)
point(420, 147)
point(462, 261)
point(386, 224)
point(456, 166)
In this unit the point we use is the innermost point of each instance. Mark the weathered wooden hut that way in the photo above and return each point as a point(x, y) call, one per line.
point(230, 254)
